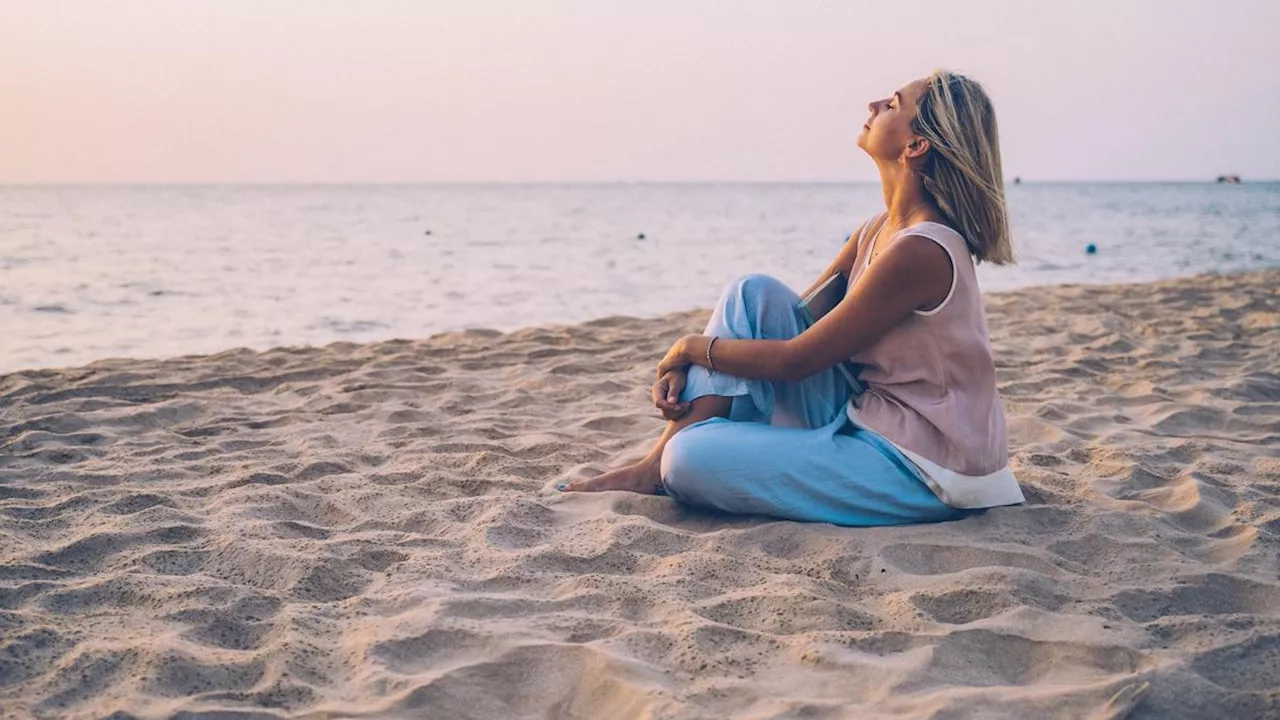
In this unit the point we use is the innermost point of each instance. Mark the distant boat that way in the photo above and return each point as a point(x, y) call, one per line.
point(1229, 179)
point(1017, 180)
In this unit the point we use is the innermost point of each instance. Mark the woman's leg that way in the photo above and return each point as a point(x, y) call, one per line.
point(644, 476)
point(760, 307)
point(752, 307)
point(835, 474)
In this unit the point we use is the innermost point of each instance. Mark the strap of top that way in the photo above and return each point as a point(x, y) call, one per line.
point(875, 222)
point(949, 238)
point(862, 233)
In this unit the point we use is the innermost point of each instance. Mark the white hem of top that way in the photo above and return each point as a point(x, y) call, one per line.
point(968, 492)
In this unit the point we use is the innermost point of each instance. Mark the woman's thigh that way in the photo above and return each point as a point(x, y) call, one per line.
point(828, 474)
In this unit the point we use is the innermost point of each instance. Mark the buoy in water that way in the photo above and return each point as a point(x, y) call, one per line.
point(640, 236)
point(1091, 249)
point(427, 232)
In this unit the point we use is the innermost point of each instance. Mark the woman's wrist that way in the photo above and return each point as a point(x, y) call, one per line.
point(695, 350)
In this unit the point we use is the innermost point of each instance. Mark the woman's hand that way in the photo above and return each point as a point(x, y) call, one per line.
point(666, 395)
point(677, 357)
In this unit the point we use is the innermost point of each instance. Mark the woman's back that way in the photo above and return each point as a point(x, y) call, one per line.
point(932, 385)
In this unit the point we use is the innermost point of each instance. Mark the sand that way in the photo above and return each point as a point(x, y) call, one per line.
point(371, 531)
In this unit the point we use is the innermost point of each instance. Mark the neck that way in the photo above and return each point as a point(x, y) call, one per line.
point(905, 198)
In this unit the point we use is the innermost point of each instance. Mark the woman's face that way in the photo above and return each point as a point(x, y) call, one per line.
point(888, 134)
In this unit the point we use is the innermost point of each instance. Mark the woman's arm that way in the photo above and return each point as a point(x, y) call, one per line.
point(912, 273)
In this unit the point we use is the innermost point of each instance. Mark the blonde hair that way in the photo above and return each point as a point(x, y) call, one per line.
point(962, 173)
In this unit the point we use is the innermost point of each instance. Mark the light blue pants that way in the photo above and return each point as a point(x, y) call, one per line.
point(788, 449)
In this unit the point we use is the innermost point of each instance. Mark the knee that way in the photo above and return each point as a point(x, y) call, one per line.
point(756, 285)
point(759, 306)
point(754, 292)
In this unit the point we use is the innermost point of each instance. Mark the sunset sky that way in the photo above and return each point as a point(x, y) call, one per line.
point(606, 90)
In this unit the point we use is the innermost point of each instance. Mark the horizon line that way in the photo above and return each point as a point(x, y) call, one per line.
point(384, 183)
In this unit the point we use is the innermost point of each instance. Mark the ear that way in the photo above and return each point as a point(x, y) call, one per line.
point(916, 148)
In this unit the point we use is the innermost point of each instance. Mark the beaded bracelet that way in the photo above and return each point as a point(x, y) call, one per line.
point(711, 367)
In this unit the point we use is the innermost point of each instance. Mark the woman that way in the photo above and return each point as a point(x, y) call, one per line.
point(761, 421)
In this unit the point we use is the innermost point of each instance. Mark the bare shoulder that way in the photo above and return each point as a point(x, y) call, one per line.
point(916, 266)
point(917, 254)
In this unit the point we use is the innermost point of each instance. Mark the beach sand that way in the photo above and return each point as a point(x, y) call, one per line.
point(371, 531)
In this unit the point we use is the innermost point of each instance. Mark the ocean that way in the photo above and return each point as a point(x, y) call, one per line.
point(89, 272)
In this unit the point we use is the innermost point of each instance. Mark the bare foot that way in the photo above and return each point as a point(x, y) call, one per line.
point(644, 477)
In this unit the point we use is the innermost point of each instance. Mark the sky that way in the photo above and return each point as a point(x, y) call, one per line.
point(187, 91)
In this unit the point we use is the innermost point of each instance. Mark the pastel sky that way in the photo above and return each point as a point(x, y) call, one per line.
point(614, 90)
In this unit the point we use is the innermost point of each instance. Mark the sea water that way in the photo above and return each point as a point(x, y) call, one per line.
point(88, 272)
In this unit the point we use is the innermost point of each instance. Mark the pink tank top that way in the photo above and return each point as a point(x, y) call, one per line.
point(931, 385)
